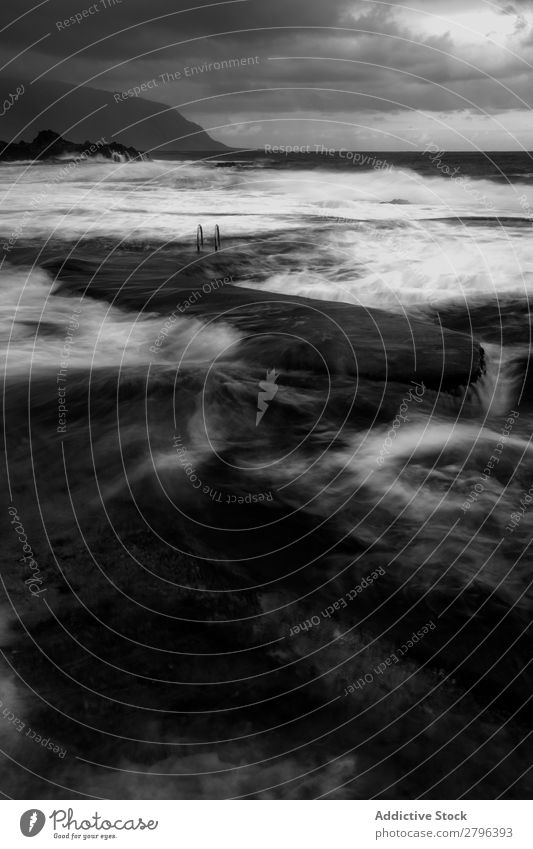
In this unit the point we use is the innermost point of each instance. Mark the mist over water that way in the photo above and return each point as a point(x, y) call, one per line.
point(157, 487)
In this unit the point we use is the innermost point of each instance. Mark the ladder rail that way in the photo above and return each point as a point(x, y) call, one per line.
point(199, 238)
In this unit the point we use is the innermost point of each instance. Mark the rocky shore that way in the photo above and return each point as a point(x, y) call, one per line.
point(50, 145)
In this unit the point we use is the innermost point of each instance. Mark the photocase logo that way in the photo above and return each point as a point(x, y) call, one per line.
point(32, 822)
point(267, 392)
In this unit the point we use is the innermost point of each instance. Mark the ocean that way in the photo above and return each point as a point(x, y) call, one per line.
point(268, 500)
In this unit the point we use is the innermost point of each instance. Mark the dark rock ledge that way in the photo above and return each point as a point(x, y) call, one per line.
point(50, 145)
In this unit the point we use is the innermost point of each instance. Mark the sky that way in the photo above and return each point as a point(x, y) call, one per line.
point(356, 74)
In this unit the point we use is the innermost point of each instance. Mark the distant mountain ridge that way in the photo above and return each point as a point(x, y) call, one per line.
point(86, 112)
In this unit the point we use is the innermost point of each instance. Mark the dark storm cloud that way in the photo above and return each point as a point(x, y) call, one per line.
point(172, 20)
point(133, 25)
point(425, 71)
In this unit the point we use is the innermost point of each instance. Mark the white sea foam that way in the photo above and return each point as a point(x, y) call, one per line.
point(355, 245)
point(37, 326)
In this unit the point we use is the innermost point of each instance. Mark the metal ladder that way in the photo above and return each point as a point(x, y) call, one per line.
point(200, 238)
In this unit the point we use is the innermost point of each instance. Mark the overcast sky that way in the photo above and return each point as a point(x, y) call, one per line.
point(361, 75)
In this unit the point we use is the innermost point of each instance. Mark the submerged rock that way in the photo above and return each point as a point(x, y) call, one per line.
point(334, 338)
point(292, 333)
